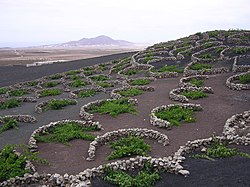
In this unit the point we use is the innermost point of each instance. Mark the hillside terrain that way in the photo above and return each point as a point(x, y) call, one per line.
point(174, 114)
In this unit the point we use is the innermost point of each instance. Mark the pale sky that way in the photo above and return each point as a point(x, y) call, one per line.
point(48, 21)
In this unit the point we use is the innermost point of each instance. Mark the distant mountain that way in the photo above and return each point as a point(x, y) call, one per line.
point(97, 41)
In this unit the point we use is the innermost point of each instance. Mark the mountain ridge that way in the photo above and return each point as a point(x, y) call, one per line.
point(100, 40)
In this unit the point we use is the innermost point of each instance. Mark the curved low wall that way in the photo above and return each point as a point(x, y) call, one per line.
point(175, 94)
point(114, 135)
point(32, 143)
point(115, 93)
point(87, 116)
point(237, 86)
point(154, 120)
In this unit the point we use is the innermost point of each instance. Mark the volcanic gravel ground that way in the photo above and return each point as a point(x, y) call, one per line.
point(217, 107)
point(13, 74)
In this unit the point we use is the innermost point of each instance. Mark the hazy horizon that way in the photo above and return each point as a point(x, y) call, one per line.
point(40, 22)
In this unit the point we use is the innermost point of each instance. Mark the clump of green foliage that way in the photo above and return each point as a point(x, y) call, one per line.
point(171, 68)
point(140, 82)
point(50, 92)
point(32, 83)
point(213, 33)
point(206, 56)
point(219, 150)
point(19, 92)
point(51, 84)
point(10, 103)
point(218, 50)
point(87, 93)
point(132, 72)
point(88, 73)
point(75, 77)
point(208, 45)
point(99, 78)
point(3, 90)
point(146, 177)
point(56, 76)
point(239, 50)
point(77, 83)
point(129, 146)
point(11, 165)
point(56, 104)
point(148, 57)
point(105, 84)
point(88, 68)
point(131, 92)
point(114, 107)
point(73, 72)
point(66, 132)
point(200, 66)
point(244, 79)
point(102, 67)
point(194, 94)
point(177, 114)
point(196, 82)
point(8, 123)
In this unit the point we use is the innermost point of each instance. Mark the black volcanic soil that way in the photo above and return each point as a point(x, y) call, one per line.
point(13, 74)
point(217, 108)
point(227, 172)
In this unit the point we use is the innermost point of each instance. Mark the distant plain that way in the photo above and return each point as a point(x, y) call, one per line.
point(23, 56)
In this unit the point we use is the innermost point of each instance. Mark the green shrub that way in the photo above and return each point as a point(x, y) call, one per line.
point(132, 72)
point(3, 90)
point(50, 92)
point(129, 146)
point(245, 79)
point(114, 107)
point(88, 68)
point(176, 114)
point(55, 104)
point(196, 82)
point(32, 83)
point(19, 92)
point(140, 82)
point(219, 150)
point(11, 165)
point(213, 33)
point(56, 76)
point(72, 72)
point(239, 50)
point(10, 103)
point(147, 58)
point(194, 94)
point(9, 123)
point(206, 56)
point(99, 78)
point(105, 84)
point(218, 50)
point(87, 93)
point(66, 132)
point(75, 77)
point(208, 45)
point(50, 84)
point(77, 83)
point(131, 92)
point(200, 66)
point(146, 177)
point(88, 73)
point(102, 67)
point(172, 68)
